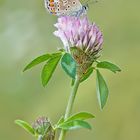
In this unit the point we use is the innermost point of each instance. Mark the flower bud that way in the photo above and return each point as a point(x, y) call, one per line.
point(44, 129)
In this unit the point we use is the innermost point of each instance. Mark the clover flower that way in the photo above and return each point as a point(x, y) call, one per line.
point(44, 129)
point(77, 32)
point(81, 38)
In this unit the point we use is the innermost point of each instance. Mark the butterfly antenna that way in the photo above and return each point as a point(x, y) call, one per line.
point(91, 1)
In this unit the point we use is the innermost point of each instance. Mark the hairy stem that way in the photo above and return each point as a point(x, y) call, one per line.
point(70, 105)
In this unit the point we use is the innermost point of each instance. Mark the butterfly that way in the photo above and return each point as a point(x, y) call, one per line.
point(66, 7)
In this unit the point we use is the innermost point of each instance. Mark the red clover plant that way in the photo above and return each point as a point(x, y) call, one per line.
point(83, 43)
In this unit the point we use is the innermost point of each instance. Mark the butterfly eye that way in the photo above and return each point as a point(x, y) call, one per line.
point(85, 7)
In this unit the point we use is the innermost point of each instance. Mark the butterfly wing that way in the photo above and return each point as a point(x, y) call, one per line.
point(50, 5)
point(63, 7)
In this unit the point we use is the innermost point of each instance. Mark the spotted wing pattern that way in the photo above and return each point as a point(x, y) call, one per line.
point(63, 7)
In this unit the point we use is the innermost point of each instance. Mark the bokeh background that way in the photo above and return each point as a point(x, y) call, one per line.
point(26, 32)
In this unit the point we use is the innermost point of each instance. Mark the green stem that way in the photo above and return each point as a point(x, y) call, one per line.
point(40, 137)
point(70, 105)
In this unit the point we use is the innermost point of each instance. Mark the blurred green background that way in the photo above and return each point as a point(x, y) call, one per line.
point(26, 32)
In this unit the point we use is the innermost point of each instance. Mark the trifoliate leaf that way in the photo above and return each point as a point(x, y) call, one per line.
point(108, 65)
point(102, 90)
point(25, 126)
point(69, 65)
point(75, 124)
point(37, 61)
point(80, 116)
point(49, 68)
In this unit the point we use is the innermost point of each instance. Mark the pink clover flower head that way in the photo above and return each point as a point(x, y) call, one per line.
point(80, 33)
